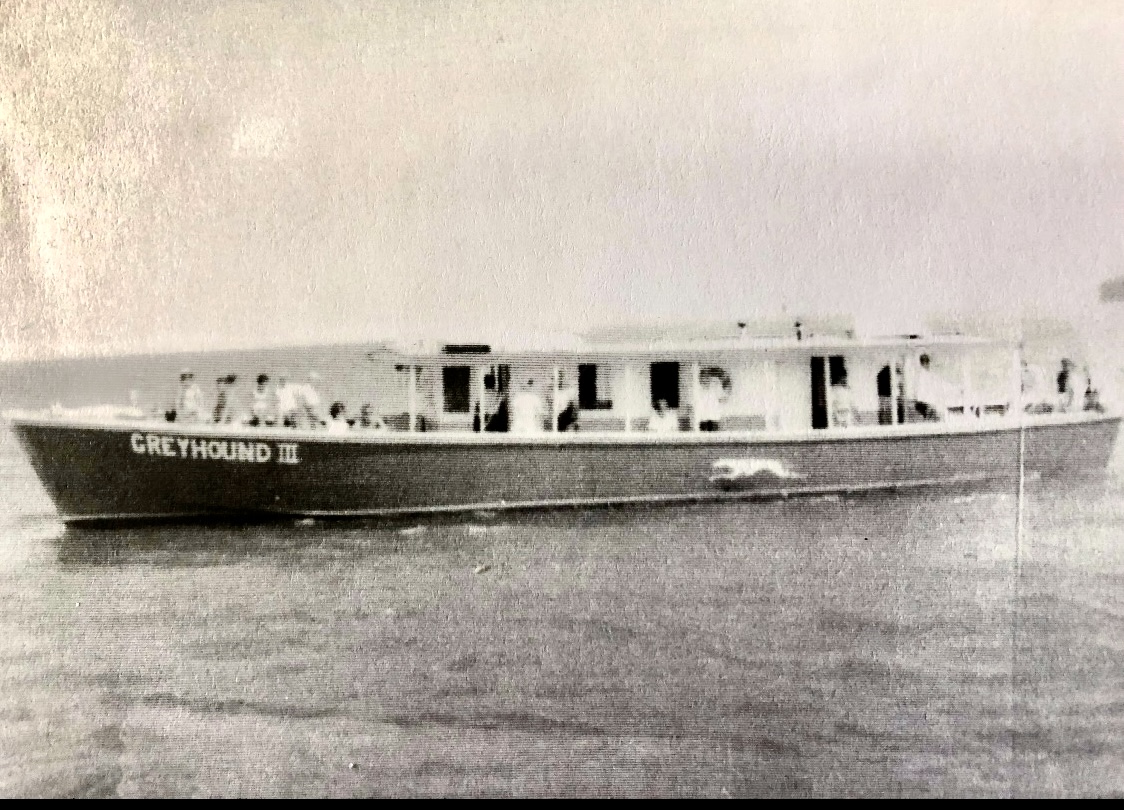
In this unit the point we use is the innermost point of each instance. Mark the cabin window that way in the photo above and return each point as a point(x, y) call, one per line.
point(826, 372)
point(819, 394)
point(837, 368)
point(885, 384)
point(665, 384)
point(498, 379)
point(456, 382)
point(588, 399)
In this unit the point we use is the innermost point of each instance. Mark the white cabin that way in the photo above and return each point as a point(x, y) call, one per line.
point(740, 381)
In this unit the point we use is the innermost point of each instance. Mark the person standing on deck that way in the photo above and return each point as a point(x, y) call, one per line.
point(710, 403)
point(663, 420)
point(1066, 387)
point(1092, 400)
point(527, 410)
point(932, 392)
point(567, 407)
point(233, 413)
point(338, 423)
point(219, 414)
point(308, 403)
point(189, 403)
point(369, 420)
point(842, 407)
point(263, 411)
point(286, 402)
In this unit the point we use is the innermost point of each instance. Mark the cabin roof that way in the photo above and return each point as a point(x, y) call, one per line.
point(572, 347)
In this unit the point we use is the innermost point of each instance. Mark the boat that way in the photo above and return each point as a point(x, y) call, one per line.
point(789, 408)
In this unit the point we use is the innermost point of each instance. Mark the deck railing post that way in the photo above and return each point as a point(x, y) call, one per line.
point(968, 397)
point(412, 398)
point(480, 392)
point(627, 396)
point(897, 395)
point(554, 403)
point(1016, 383)
point(695, 392)
point(829, 392)
point(772, 412)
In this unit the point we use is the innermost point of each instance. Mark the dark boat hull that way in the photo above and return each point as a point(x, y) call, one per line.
point(142, 472)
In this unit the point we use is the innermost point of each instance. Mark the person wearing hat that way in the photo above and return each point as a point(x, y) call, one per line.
point(189, 403)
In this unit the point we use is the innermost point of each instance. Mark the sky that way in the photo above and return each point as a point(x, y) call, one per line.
point(198, 175)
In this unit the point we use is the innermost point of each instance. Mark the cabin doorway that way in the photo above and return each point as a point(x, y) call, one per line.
point(819, 394)
point(587, 386)
point(885, 396)
point(665, 384)
point(456, 386)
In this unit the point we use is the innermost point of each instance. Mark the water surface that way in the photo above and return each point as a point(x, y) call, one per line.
point(873, 646)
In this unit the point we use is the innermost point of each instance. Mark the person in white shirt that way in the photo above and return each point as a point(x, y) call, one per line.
point(263, 411)
point(527, 410)
point(287, 408)
point(663, 419)
point(338, 423)
point(308, 403)
point(227, 405)
point(842, 411)
point(710, 404)
point(932, 392)
point(189, 405)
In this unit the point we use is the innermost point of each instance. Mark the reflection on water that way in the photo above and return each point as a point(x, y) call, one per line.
point(184, 544)
point(213, 543)
point(205, 542)
point(210, 542)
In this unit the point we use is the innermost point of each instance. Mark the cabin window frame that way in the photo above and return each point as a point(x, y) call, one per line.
point(672, 392)
point(497, 379)
point(589, 388)
point(452, 385)
point(837, 370)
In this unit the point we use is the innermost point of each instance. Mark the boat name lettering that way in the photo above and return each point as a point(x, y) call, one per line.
point(151, 444)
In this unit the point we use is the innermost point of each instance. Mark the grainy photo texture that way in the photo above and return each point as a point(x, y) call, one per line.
point(640, 398)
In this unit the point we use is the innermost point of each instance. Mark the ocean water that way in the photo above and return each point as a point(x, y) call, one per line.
point(879, 646)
